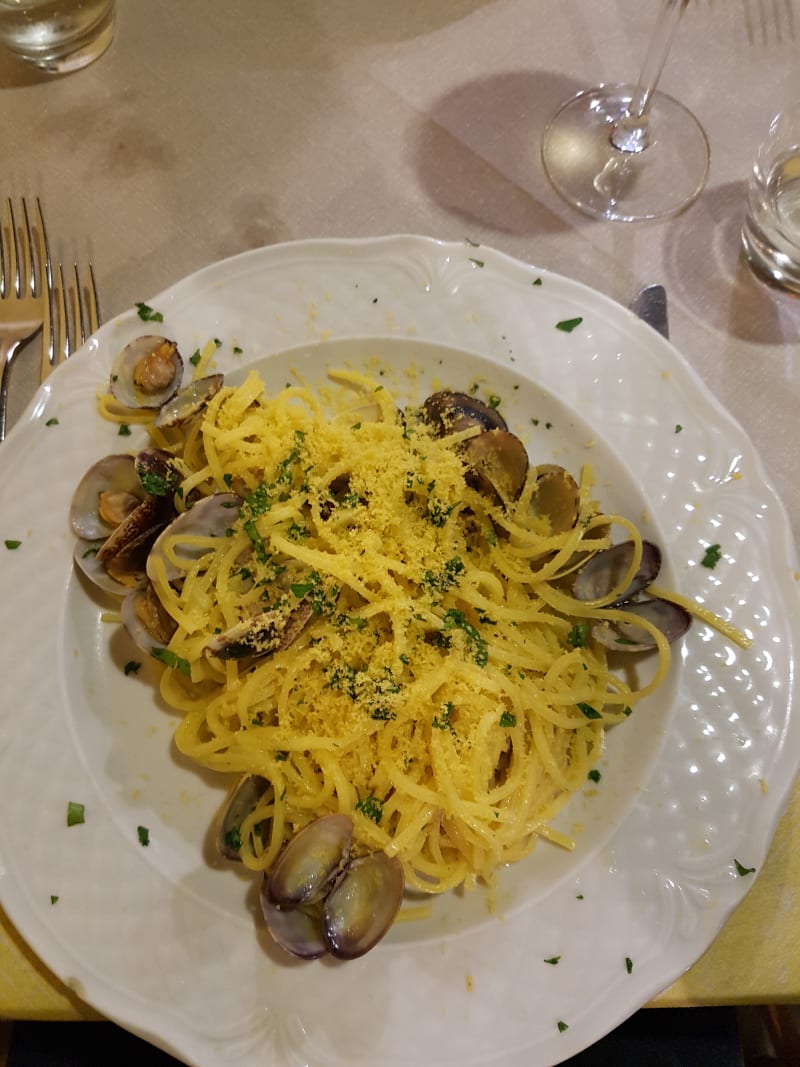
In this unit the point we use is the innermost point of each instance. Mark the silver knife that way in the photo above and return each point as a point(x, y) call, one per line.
point(650, 304)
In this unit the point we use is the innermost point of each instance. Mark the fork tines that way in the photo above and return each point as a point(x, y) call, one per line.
point(24, 259)
point(75, 311)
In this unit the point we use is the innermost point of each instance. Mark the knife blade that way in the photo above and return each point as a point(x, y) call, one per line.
point(650, 305)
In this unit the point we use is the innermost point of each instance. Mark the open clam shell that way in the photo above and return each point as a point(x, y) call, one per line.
point(604, 571)
point(450, 412)
point(265, 633)
point(242, 801)
point(107, 493)
point(671, 619)
point(498, 464)
point(147, 372)
point(146, 620)
point(186, 535)
point(557, 497)
point(186, 403)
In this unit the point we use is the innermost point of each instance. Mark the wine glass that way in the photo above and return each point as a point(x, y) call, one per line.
point(626, 152)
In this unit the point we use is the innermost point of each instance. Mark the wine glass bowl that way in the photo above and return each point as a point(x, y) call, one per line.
point(626, 152)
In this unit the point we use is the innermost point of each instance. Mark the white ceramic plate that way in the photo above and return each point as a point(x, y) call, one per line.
point(166, 940)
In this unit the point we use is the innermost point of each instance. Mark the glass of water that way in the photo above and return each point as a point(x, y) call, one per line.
point(771, 230)
point(57, 36)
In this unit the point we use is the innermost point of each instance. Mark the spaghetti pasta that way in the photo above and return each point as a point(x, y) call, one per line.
point(439, 684)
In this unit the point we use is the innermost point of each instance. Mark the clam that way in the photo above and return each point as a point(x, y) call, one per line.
point(107, 493)
point(360, 909)
point(297, 930)
point(449, 412)
point(312, 862)
point(557, 497)
point(84, 556)
point(146, 619)
point(189, 401)
point(211, 516)
point(497, 462)
point(316, 900)
point(240, 802)
point(269, 631)
point(672, 620)
point(137, 532)
point(147, 372)
point(603, 573)
point(157, 471)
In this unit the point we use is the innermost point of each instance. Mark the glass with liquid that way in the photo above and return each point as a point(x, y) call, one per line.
point(771, 230)
point(58, 36)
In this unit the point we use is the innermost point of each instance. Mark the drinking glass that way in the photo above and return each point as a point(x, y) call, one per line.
point(771, 230)
point(627, 152)
point(57, 36)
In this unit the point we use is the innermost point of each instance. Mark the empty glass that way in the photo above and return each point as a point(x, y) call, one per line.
point(628, 152)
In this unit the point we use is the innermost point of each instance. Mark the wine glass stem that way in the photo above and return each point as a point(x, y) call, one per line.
point(631, 133)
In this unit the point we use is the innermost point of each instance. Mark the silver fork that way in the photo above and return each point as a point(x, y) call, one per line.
point(24, 274)
point(75, 316)
point(766, 20)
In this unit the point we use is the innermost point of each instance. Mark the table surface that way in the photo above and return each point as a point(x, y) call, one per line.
point(197, 136)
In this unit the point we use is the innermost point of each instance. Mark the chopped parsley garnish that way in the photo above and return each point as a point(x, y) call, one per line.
point(477, 262)
point(144, 836)
point(552, 960)
point(132, 667)
point(536, 281)
point(53, 898)
point(147, 314)
point(321, 603)
point(233, 839)
point(443, 722)
point(455, 619)
point(124, 430)
point(195, 358)
point(562, 1026)
point(158, 484)
point(628, 964)
point(712, 557)
point(742, 870)
point(568, 325)
point(446, 579)
point(76, 813)
point(578, 636)
point(371, 807)
point(678, 427)
point(11, 545)
point(259, 501)
point(588, 710)
point(52, 422)
point(494, 402)
point(437, 513)
point(594, 775)
point(168, 657)
point(508, 719)
point(237, 350)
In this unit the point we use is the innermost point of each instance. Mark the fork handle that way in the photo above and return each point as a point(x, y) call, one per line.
point(7, 352)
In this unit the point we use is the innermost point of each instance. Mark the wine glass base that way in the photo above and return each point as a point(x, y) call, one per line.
point(591, 174)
